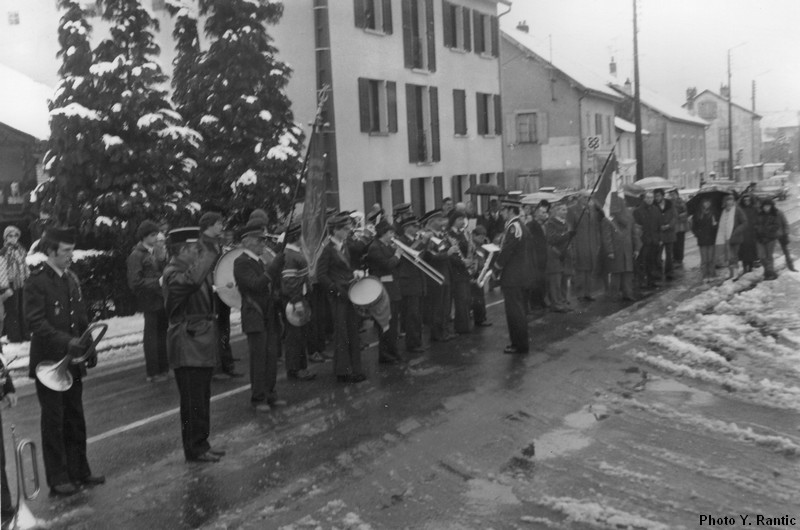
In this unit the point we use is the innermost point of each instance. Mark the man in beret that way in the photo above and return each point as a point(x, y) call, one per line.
point(145, 266)
point(212, 229)
point(259, 321)
point(337, 266)
point(192, 337)
point(56, 312)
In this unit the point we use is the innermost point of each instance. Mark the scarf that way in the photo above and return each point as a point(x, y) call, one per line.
point(15, 263)
point(726, 222)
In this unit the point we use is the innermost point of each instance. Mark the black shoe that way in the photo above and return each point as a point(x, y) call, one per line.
point(216, 452)
point(92, 480)
point(301, 375)
point(513, 350)
point(483, 324)
point(207, 458)
point(63, 490)
point(357, 378)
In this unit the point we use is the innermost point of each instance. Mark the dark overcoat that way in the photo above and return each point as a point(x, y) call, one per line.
point(144, 274)
point(255, 286)
point(515, 258)
point(382, 262)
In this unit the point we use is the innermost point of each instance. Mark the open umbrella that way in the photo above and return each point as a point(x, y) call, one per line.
point(656, 183)
point(716, 194)
point(486, 189)
point(539, 196)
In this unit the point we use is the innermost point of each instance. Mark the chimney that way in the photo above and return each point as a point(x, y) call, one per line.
point(723, 91)
point(627, 87)
point(523, 26)
point(691, 93)
point(612, 67)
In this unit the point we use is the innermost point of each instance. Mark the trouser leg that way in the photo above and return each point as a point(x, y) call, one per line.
point(194, 387)
point(412, 318)
point(461, 301)
point(150, 343)
point(478, 303)
point(514, 299)
point(257, 345)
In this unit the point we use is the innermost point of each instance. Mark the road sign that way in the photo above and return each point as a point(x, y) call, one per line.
point(592, 143)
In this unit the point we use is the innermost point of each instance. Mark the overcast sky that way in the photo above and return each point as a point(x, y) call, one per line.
point(682, 43)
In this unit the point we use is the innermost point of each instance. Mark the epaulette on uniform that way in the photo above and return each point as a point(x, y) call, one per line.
point(37, 269)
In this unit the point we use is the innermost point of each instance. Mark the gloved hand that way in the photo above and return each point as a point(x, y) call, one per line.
point(76, 348)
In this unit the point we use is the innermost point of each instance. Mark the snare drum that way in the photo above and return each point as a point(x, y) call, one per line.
point(371, 300)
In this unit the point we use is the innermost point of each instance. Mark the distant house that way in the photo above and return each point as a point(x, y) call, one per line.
point(550, 111)
point(626, 149)
point(780, 138)
point(713, 108)
point(675, 147)
point(24, 129)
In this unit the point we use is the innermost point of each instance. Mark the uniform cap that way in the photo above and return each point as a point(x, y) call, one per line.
point(146, 228)
point(433, 214)
point(254, 228)
point(62, 235)
point(188, 234)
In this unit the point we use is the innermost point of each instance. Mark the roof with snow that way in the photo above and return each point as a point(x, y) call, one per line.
point(585, 77)
point(664, 106)
point(782, 119)
point(626, 126)
point(724, 100)
point(23, 103)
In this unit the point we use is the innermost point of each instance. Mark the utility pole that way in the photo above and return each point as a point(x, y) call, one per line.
point(730, 120)
point(637, 104)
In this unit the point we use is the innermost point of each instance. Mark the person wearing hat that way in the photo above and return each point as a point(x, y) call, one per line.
point(536, 228)
point(462, 264)
point(439, 256)
point(400, 212)
point(411, 282)
point(212, 229)
point(12, 256)
point(382, 259)
point(583, 218)
point(57, 316)
point(337, 267)
point(259, 318)
point(478, 296)
point(192, 337)
point(515, 261)
point(295, 292)
point(144, 280)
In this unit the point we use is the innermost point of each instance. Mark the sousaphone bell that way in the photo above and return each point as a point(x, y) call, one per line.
point(55, 375)
point(23, 517)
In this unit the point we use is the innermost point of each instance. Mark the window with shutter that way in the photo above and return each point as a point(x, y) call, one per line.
point(422, 105)
point(483, 116)
point(436, 155)
point(460, 112)
point(526, 128)
point(419, 48)
point(479, 35)
point(374, 15)
point(498, 116)
point(377, 106)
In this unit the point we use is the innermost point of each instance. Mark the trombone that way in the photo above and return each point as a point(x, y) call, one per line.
point(414, 257)
point(23, 517)
point(55, 375)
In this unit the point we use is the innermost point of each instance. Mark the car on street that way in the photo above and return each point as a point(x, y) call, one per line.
point(773, 188)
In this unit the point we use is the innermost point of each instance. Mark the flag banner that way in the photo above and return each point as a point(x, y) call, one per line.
point(314, 206)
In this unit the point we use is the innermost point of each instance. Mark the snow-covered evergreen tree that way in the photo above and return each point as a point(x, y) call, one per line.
point(234, 95)
point(75, 124)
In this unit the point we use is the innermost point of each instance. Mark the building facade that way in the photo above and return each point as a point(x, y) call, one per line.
point(413, 113)
point(675, 146)
point(551, 112)
point(713, 108)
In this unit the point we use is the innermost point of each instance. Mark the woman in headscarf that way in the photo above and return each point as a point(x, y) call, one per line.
point(13, 256)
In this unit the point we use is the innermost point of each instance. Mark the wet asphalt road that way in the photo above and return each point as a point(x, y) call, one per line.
point(330, 439)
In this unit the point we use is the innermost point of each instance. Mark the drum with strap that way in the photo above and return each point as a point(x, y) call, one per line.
point(225, 283)
point(371, 299)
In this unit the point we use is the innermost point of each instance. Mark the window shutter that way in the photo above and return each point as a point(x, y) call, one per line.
point(447, 25)
point(455, 188)
point(412, 125)
point(370, 197)
point(363, 103)
point(541, 128)
point(437, 192)
point(501, 179)
point(418, 195)
point(391, 103)
point(495, 37)
point(460, 111)
point(431, 35)
point(434, 95)
point(398, 192)
point(408, 36)
point(480, 102)
point(467, 29)
point(498, 116)
point(387, 17)
point(360, 9)
point(477, 24)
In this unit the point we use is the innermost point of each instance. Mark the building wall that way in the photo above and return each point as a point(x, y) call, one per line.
point(531, 85)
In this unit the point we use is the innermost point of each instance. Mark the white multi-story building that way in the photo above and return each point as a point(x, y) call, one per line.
point(414, 113)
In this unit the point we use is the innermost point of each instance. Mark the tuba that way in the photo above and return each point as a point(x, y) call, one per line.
point(55, 375)
point(23, 517)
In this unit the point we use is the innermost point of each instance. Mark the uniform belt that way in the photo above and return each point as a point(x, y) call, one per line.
point(387, 278)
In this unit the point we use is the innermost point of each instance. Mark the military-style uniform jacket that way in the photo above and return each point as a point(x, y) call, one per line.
point(192, 337)
point(515, 258)
point(144, 272)
point(256, 288)
point(439, 259)
point(295, 285)
point(335, 268)
point(458, 268)
point(383, 263)
point(56, 312)
point(411, 279)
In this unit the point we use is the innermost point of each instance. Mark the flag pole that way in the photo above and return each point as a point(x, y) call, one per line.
point(596, 182)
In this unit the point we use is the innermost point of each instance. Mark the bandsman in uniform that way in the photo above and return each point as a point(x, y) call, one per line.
point(192, 337)
point(401, 212)
point(56, 312)
point(440, 296)
point(382, 260)
point(515, 263)
point(411, 281)
point(337, 267)
point(478, 294)
point(295, 292)
point(462, 265)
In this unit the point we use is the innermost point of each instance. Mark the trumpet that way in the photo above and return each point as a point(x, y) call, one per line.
point(414, 257)
point(23, 517)
point(55, 375)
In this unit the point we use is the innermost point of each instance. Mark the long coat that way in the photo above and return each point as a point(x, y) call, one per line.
point(56, 312)
point(515, 258)
point(539, 240)
point(704, 228)
point(558, 246)
point(144, 274)
point(192, 336)
point(667, 222)
point(619, 237)
point(255, 287)
point(647, 217)
point(748, 252)
point(587, 240)
point(335, 269)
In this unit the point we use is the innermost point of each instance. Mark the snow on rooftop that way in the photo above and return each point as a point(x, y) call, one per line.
point(665, 106)
point(626, 126)
point(23, 103)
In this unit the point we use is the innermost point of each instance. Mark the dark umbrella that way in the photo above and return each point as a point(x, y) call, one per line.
point(716, 194)
point(486, 189)
point(633, 194)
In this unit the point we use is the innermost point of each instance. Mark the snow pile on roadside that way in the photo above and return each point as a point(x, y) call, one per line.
point(600, 514)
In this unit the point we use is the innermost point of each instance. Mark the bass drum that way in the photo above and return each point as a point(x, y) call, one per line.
point(225, 283)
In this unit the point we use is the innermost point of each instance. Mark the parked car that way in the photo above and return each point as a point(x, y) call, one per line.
point(773, 188)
